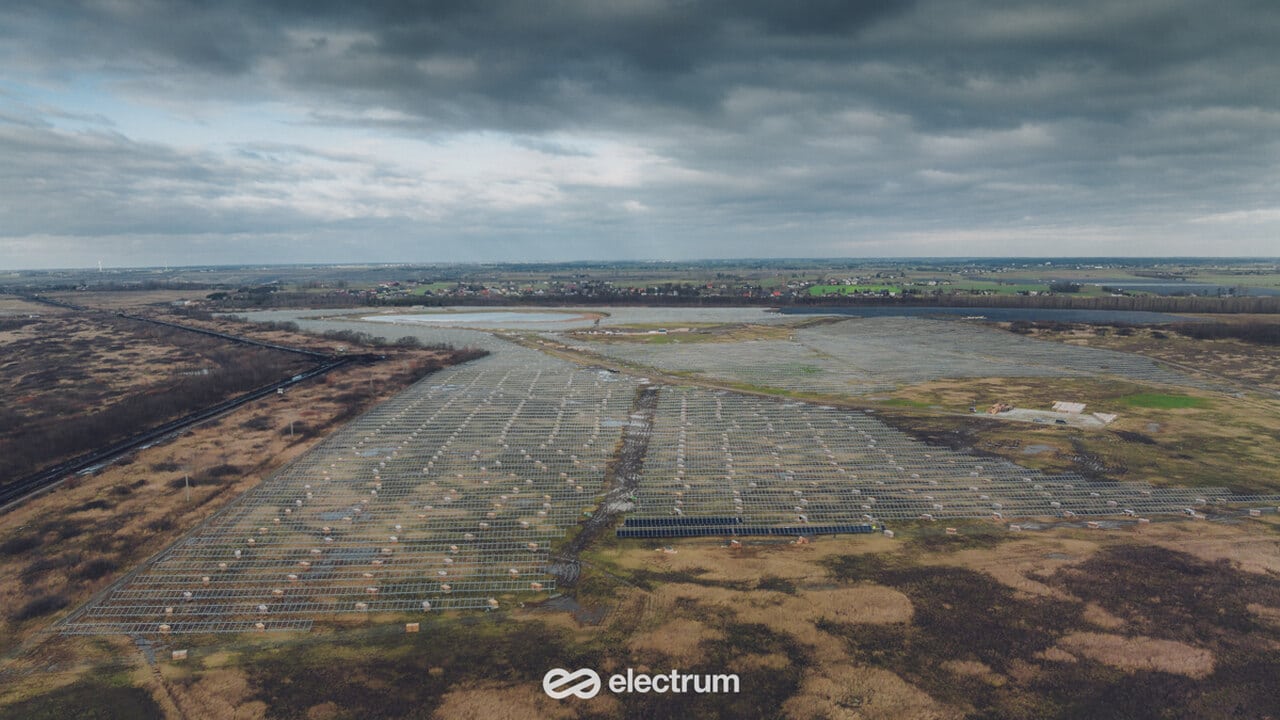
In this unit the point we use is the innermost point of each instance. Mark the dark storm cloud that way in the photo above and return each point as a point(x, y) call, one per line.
point(518, 65)
point(823, 121)
point(493, 64)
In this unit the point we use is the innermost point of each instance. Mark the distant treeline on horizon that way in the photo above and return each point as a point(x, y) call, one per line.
point(1147, 303)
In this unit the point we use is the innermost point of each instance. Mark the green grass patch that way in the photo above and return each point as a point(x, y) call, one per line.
point(676, 339)
point(820, 290)
point(903, 402)
point(1162, 401)
point(434, 287)
point(762, 389)
point(999, 288)
point(642, 327)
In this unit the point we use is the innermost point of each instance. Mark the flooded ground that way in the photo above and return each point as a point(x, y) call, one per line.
point(496, 319)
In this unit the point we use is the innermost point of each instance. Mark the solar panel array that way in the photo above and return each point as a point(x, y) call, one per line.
point(647, 533)
point(447, 496)
point(868, 355)
point(758, 461)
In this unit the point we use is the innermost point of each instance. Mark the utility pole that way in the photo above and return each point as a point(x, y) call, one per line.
point(186, 481)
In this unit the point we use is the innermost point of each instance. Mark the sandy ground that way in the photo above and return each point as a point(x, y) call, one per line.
point(1049, 417)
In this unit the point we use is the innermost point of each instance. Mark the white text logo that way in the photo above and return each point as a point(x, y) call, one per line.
point(586, 683)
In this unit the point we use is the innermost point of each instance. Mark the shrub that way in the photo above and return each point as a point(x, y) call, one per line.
point(160, 525)
point(98, 568)
point(224, 470)
point(20, 544)
point(42, 605)
point(262, 422)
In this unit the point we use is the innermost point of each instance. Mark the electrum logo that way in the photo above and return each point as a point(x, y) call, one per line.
point(585, 683)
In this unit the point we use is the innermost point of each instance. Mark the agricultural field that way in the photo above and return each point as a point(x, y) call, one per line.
point(822, 290)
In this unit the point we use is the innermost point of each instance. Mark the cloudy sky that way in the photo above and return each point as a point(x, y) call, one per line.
point(143, 132)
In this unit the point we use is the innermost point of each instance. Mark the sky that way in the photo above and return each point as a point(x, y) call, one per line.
point(169, 132)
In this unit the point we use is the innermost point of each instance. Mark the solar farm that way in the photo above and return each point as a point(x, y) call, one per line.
point(863, 356)
point(444, 498)
point(456, 494)
point(787, 464)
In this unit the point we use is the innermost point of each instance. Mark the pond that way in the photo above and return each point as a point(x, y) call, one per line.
point(503, 318)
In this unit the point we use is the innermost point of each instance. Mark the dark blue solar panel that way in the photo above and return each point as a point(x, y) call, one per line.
point(682, 521)
point(689, 530)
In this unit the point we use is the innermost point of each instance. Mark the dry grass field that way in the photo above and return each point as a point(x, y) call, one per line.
point(1175, 619)
point(78, 381)
point(129, 300)
point(1249, 364)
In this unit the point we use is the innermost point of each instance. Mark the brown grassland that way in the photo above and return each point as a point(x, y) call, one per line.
point(1250, 364)
point(1175, 618)
point(76, 382)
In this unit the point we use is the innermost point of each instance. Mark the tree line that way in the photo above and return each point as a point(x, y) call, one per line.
point(692, 297)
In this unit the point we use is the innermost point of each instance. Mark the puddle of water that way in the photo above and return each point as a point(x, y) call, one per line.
point(332, 515)
point(498, 318)
point(565, 603)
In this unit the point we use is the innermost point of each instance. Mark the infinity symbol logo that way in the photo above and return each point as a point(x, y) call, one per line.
point(585, 683)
